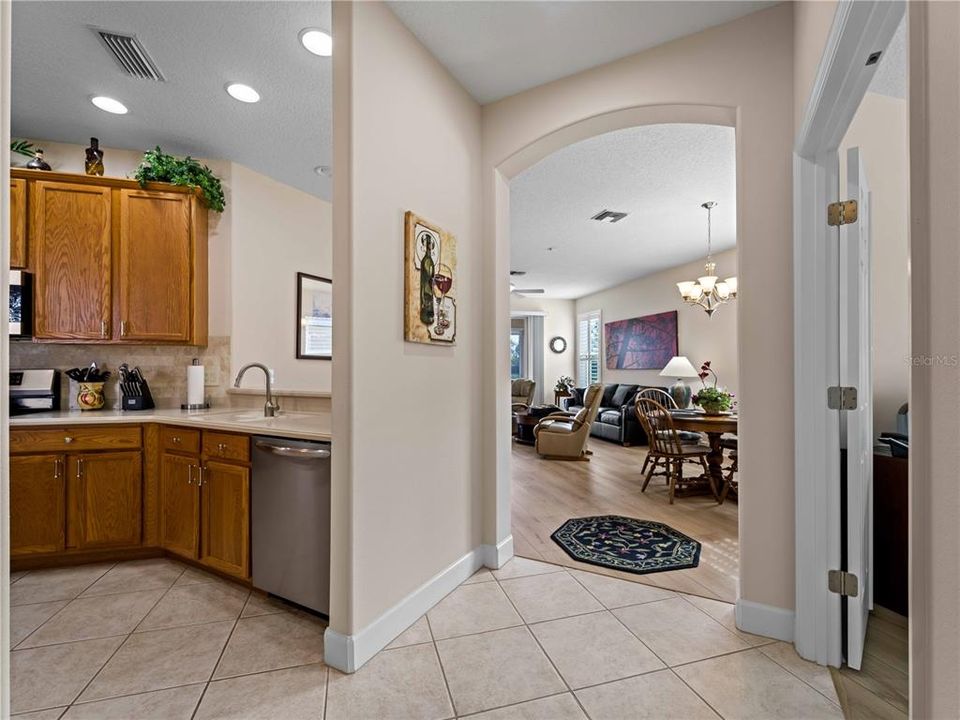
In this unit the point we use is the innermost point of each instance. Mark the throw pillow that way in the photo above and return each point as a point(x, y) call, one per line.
point(608, 393)
point(623, 395)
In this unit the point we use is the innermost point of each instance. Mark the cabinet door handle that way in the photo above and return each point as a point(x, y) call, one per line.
point(123, 328)
point(189, 474)
point(201, 468)
point(79, 468)
point(103, 328)
point(57, 468)
point(68, 439)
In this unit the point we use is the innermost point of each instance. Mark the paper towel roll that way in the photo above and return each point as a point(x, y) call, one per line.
point(195, 385)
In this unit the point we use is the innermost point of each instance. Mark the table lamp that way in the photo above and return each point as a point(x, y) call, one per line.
point(680, 368)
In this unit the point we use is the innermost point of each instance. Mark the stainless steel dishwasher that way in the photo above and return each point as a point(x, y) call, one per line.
point(290, 520)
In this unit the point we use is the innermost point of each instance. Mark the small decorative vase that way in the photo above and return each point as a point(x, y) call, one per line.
point(681, 392)
point(93, 164)
point(38, 163)
point(90, 395)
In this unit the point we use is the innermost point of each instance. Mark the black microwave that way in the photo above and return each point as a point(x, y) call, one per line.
point(20, 314)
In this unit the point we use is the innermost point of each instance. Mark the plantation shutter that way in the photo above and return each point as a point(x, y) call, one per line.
point(588, 348)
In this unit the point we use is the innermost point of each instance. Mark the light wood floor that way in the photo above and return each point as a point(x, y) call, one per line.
point(881, 689)
point(548, 492)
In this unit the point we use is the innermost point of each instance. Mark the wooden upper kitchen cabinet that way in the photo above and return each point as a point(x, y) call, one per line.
point(114, 262)
point(106, 492)
point(18, 223)
point(70, 242)
point(37, 503)
point(180, 504)
point(155, 268)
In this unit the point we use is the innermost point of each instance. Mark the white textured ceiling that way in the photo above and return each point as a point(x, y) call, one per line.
point(496, 49)
point(59, 63)
point(659, 174)
point(891, 76)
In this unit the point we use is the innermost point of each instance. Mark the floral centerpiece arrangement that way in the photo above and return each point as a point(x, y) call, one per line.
point(714, 400)
point(563, 384)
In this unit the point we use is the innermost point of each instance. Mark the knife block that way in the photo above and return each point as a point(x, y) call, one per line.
point(139, 399)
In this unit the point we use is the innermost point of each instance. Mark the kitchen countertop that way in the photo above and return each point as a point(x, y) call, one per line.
point(298, 425)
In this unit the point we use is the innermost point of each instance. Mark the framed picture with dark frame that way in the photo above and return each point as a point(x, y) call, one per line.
point(314, 317)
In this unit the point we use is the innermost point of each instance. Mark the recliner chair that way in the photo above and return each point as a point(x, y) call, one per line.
point(564, 437)
point(521, 393)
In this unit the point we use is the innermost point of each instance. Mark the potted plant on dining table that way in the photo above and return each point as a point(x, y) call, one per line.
point(713, 399)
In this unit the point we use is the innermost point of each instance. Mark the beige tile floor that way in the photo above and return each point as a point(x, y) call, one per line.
point(153, 639)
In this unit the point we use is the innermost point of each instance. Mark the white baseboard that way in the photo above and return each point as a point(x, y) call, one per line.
point(348, 653)
point(765, 620)
point(496, 556)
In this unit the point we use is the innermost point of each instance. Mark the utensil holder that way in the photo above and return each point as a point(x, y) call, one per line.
point(90, 395)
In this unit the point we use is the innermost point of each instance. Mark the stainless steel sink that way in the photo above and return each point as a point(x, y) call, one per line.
point(244, 417)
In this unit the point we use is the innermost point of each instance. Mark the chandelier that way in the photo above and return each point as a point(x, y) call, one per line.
point(708, 291)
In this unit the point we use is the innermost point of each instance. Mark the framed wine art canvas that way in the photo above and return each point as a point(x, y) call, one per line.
point(430, 283)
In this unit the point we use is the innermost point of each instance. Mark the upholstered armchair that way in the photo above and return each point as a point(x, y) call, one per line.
point(521, 394)
point(564, 437)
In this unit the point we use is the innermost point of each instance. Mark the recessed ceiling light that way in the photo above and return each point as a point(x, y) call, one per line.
point(317, 41)
point(324, 170)
point(109, 105)
point(243, 93)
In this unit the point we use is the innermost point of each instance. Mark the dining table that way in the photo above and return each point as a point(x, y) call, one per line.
point(714, 427)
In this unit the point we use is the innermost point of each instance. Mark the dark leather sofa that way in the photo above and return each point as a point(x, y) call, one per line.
point(617, 418)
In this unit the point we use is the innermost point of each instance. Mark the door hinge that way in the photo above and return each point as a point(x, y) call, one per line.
point(842, 213)
point(843, 583)
point(841, 398)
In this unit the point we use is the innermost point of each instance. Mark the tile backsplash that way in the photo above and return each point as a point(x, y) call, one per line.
point(163, 366)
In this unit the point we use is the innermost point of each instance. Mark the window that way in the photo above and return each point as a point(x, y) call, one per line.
point(588, 348)
point(518, 349)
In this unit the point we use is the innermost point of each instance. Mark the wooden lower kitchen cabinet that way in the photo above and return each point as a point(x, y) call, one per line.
point(38, 501)
point(205, 498)
point(80, 494)
point(225, 518)
point(180, 504)
point(105, 499)
point(76, 493)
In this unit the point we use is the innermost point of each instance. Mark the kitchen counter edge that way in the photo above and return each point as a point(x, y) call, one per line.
point(204, 419)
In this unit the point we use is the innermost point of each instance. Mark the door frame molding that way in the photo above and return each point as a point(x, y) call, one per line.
point(859, 28)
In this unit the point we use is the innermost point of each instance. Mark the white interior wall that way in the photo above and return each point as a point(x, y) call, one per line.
point(699, 337)
point(934, 65)
point(407, 483)
point(725, 74)
point(879, 129)
point(268, 232)
point(558, 320)
point(277, 231)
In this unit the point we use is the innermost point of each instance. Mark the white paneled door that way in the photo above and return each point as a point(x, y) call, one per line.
point(857, 424)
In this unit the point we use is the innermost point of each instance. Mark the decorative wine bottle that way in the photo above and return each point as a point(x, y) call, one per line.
point(426, 283)
point(93, 164)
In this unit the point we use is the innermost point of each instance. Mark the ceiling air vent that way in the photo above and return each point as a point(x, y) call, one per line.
point(130, 55)
point(609, 216)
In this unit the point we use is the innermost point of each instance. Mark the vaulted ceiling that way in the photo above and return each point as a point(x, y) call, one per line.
point(496, 49)
point(658, 174)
